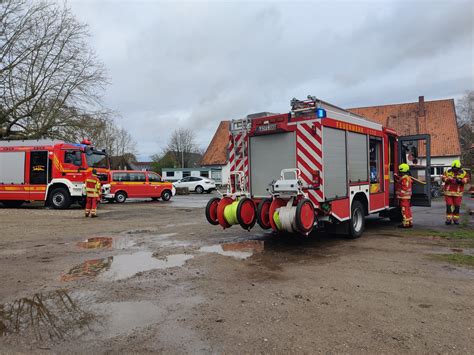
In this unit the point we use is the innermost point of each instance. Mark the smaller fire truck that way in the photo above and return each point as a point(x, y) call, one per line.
point(47, 170)
point(316, 166)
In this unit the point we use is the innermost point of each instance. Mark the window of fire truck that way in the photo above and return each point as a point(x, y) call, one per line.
point(96, 159)
point(153, 177)
point(375, 164)
point(73, 157)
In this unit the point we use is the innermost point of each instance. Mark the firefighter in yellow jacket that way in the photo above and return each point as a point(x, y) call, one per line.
point(92, 194)
point(454, 180)
point(404, 190)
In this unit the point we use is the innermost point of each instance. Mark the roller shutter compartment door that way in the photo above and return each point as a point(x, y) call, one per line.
point(334, 157)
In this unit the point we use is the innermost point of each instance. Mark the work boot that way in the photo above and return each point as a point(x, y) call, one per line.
point(93, 215)
point(456, 222)
point(402, 226)
point(448, 222)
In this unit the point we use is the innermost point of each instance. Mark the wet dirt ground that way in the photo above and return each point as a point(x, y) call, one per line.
point(155, 277)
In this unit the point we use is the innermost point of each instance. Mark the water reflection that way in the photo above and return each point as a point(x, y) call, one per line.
point(52, 315)
point(88, 269)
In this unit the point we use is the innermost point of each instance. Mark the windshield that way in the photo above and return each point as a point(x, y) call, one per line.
point(96, 159)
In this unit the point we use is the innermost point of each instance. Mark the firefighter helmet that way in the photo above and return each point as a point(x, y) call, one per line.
point(456, 164)
point(403, 168)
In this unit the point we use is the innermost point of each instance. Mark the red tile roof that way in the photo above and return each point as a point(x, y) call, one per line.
point(436, 118)
point(216, 153)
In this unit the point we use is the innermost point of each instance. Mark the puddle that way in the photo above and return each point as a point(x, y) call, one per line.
point(123, 317)
point(106, 242)
point(125, 266)
point(238, 250)
point(52, 315)
point(88, 269)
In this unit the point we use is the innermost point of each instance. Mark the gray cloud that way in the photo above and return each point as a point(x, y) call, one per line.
point(196, 63)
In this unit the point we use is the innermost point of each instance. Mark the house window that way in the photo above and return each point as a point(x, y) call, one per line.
point(186, 173)
point(205, 173)
point(169, 173)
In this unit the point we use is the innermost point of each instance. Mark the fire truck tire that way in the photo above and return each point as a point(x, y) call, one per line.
point(120, 196)
point(357, 221)
point(59, 198)
point(246, 214)
point(304, 216)
point(263, 213)
point(12, 203)
point(166, 195)
point(199, 189)
point(211, 211)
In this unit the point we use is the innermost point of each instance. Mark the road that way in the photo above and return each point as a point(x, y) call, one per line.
point(155, 277)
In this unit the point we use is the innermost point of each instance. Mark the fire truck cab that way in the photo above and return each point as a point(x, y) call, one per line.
point(318, 165)
point(47, 170)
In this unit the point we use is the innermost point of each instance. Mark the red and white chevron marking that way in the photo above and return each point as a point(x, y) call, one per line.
point(309, 156)
point(239, 161)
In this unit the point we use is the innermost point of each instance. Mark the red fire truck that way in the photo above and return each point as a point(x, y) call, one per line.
point(316, 166)
point(47, 170)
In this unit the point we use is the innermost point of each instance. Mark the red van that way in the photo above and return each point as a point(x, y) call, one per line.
point(138, 184)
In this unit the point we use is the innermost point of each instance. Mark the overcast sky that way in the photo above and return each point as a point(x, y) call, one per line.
point(195, 63)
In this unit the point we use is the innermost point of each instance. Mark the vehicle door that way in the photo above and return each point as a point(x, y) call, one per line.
point(119, 182)
point(137, 186)
point(416, 152)
point(40, 174)
point(184, 182)
point(155, 186)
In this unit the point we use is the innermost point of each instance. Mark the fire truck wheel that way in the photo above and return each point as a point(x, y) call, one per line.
point(246, 215)
point(166, 195)
point(59, 198)
point(263, 213)
point(211, 211)
point(120, 197)
point(357, 221)
point(304, 216)
point(12, 203)
point(199, 189)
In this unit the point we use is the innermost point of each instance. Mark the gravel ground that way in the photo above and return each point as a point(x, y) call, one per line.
point(155, 277)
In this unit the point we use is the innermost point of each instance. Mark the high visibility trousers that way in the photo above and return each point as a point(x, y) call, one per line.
point(405, 206)
point(91, 206)
point(453, 206)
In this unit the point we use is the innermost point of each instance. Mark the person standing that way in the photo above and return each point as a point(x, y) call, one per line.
point(404, 190)
point(454, 180)
point(92, 194)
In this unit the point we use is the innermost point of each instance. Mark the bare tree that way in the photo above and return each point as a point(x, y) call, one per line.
point(180, 145)
point(465, 117)
point(47, 70)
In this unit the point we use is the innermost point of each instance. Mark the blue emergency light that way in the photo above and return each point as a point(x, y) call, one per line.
point(321, 113)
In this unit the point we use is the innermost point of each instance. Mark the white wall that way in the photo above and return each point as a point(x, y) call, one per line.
point(440, 160)
point(225, 173)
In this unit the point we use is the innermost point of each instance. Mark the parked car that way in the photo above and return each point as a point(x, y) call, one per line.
point(138, 184)
point(198, 184)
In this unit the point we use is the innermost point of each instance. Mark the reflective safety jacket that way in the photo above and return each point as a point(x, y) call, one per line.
point(454, 182)
point(404, 187)
point(93, 186)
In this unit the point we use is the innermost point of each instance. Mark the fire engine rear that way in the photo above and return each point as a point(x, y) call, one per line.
point(46, 170)
point(316, 166)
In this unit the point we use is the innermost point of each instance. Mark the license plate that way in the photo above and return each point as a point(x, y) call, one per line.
point(267, 127)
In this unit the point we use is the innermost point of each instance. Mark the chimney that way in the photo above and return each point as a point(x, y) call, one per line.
point(421, 106)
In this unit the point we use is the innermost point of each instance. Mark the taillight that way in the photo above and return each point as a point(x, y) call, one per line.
point(316, 179)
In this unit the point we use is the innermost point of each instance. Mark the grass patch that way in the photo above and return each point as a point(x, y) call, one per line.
point(458, 233)
point(458, 259)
